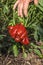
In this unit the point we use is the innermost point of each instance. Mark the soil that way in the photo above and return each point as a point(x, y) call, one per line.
point(31, 59)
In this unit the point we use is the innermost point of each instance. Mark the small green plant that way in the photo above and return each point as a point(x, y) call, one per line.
point(33, 24)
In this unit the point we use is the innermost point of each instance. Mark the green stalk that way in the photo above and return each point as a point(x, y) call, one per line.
point(24, 53)
point(13, 17)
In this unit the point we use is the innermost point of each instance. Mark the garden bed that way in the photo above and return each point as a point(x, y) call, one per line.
point(32, 59)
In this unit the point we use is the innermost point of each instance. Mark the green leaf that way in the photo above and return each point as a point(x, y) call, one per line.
point(14, 17)
point(20, 19)
point(33, 45)
point(40, 32)
point(35, 35)
point(11, 22)
point(41, 8)
point(41, 2)
point(15, 50)
point(36, 51)
point(2, 36)
point(24, 54)
point(40, 5)
point(30, 50)
point(6, 9)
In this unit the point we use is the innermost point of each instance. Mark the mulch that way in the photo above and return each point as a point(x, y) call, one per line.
point(31, 59)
